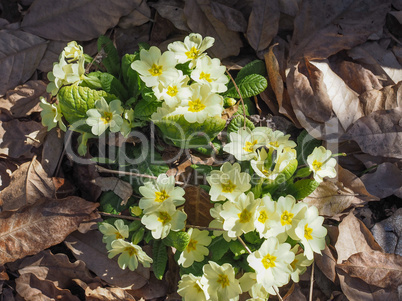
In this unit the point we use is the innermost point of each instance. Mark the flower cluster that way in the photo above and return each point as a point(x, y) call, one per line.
point(193, 95)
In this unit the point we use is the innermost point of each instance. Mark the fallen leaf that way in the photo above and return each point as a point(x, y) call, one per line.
point(263, 24)
point(74, 19)
point(24, 99)
point(231, 17)
point(36, 227)
point(201, 20)
point(83, 176)
point(90, 249)
point(13, 138)
point(388, 98)
point(7, 167)
point(388, 233)
point(139, 16)
point(94, 292)
point(322, 28)
point(121, 188)
point(56, 268)
point(27, 184)
point(31, 288)
point(379, 134)
point(294, 293)
point(52, 151)
point(20, 54)
point(52, 53)
point(173, 11)
point(197, 206)
point(354, 237)
point(289, 7)
point(326, 262)
point(152, 291)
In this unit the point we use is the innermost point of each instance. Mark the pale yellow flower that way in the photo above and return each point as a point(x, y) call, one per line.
point(191, 289)
point(196, 249)
point(112, 233)
point(321, 164)
point(130, 255)
point(210, 72)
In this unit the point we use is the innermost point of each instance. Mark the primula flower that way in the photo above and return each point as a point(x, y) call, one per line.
point(160, 191)
point(196, 249)
point(191, 289)
point(248, 283)
point(200, 105)
point(163, 219)
point(272, 263)
point(278, 140)
point(217, 222)
point(321, 163)
point(192, 49)
point(228, 182)
point(73, 52)
point(105, 116)
point(311, 232)
point(289, 214)
point(240, 215)
point(128, 122)
point(244, 143)
point(220, 282)
point(173, 91)
point(111, 233)
point(210, 72)
point(154, 67)
point(131, 254)
point(51, 115)
point(299, 264)
point(266, 211)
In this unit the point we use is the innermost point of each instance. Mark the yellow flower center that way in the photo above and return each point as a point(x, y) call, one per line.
point(307, 232)
point(155, 70)
point(172, 91)
point(160, 196)
point(223, 280)
point(266, 172)
point(274, 144)
point(196, 105)
point(118, 235)
point(164, 217)
point(193, 53)
point(244, 216)
point(286, 218)
point(131, 251)
point(205, 76)
point(317, 165)
point(268, 261)
point(293, 264)
point(249, 146)
point(228, 187)
point(192, 245)
point(263, 217)
point(107, 116)
point(197, 287)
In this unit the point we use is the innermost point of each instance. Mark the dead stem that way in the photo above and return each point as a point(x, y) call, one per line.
point(310, 298)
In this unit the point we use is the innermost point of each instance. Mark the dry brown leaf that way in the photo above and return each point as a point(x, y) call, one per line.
point(333, 196)
point(231, 17)
point(388, 98)
point(354, 237)
point(197, 206)
point(52, 53)
point(56, 268)
point(53, 147)
point(7, 167)
point(36, 227)
point(173, 11)
point(152, 291)
point(13, 138)
point(263, 24)
point(90, 249)
point(121, 188)
point(379, 134)
point(31, 288)
point(201, 20)
point(75, 19)
point(375, 268)
point(139, 16)
point(24, 99)
point(322, 28)
point(385, 181)
point(382, 62)
point(94, 292)
point(388, 233)
point(83, 175)
point(20, 54)
point(28, 184)
point(326, 263)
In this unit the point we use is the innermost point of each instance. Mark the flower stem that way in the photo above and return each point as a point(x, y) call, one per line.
point(241, 98)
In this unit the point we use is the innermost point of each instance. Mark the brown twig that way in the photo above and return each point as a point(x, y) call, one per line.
point(244, 244)
point(241, 98)
point(310, 298)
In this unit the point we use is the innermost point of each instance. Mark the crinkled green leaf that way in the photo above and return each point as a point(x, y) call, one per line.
point(302, 188)
point(113, 86)
point(254, 67)
point(131, 77)
point(111, 58)
point(237, 248)
point(146, 107)
point(249, 86)
point(75, 101)
point(160, 258)
point(111, 203)
point(195, 268)
point(218, 247)
point(237, 123)
point(290, 169)
point(184, 68)
point(190, 135)
point(138, 236)
point(178, 240)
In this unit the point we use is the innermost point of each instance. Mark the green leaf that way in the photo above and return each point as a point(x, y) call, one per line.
point(195, 268)
point(113, 86)
point(204, 169)
point(184, 68)
point(305, 146)
point(249, 107)
point(178, 240)
point(254, 67)
point(302, 188)
point(303, 172)
point(131, 78)
point(237, 122)
point(253, 238)
point(75, 101)
point(218, 247)
point(249, 86)
point(111, 203)
point(160, 258)
point(111, 58)
point(138, 236)
point(289, 169)
point(237, 248)
point(146, 107)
